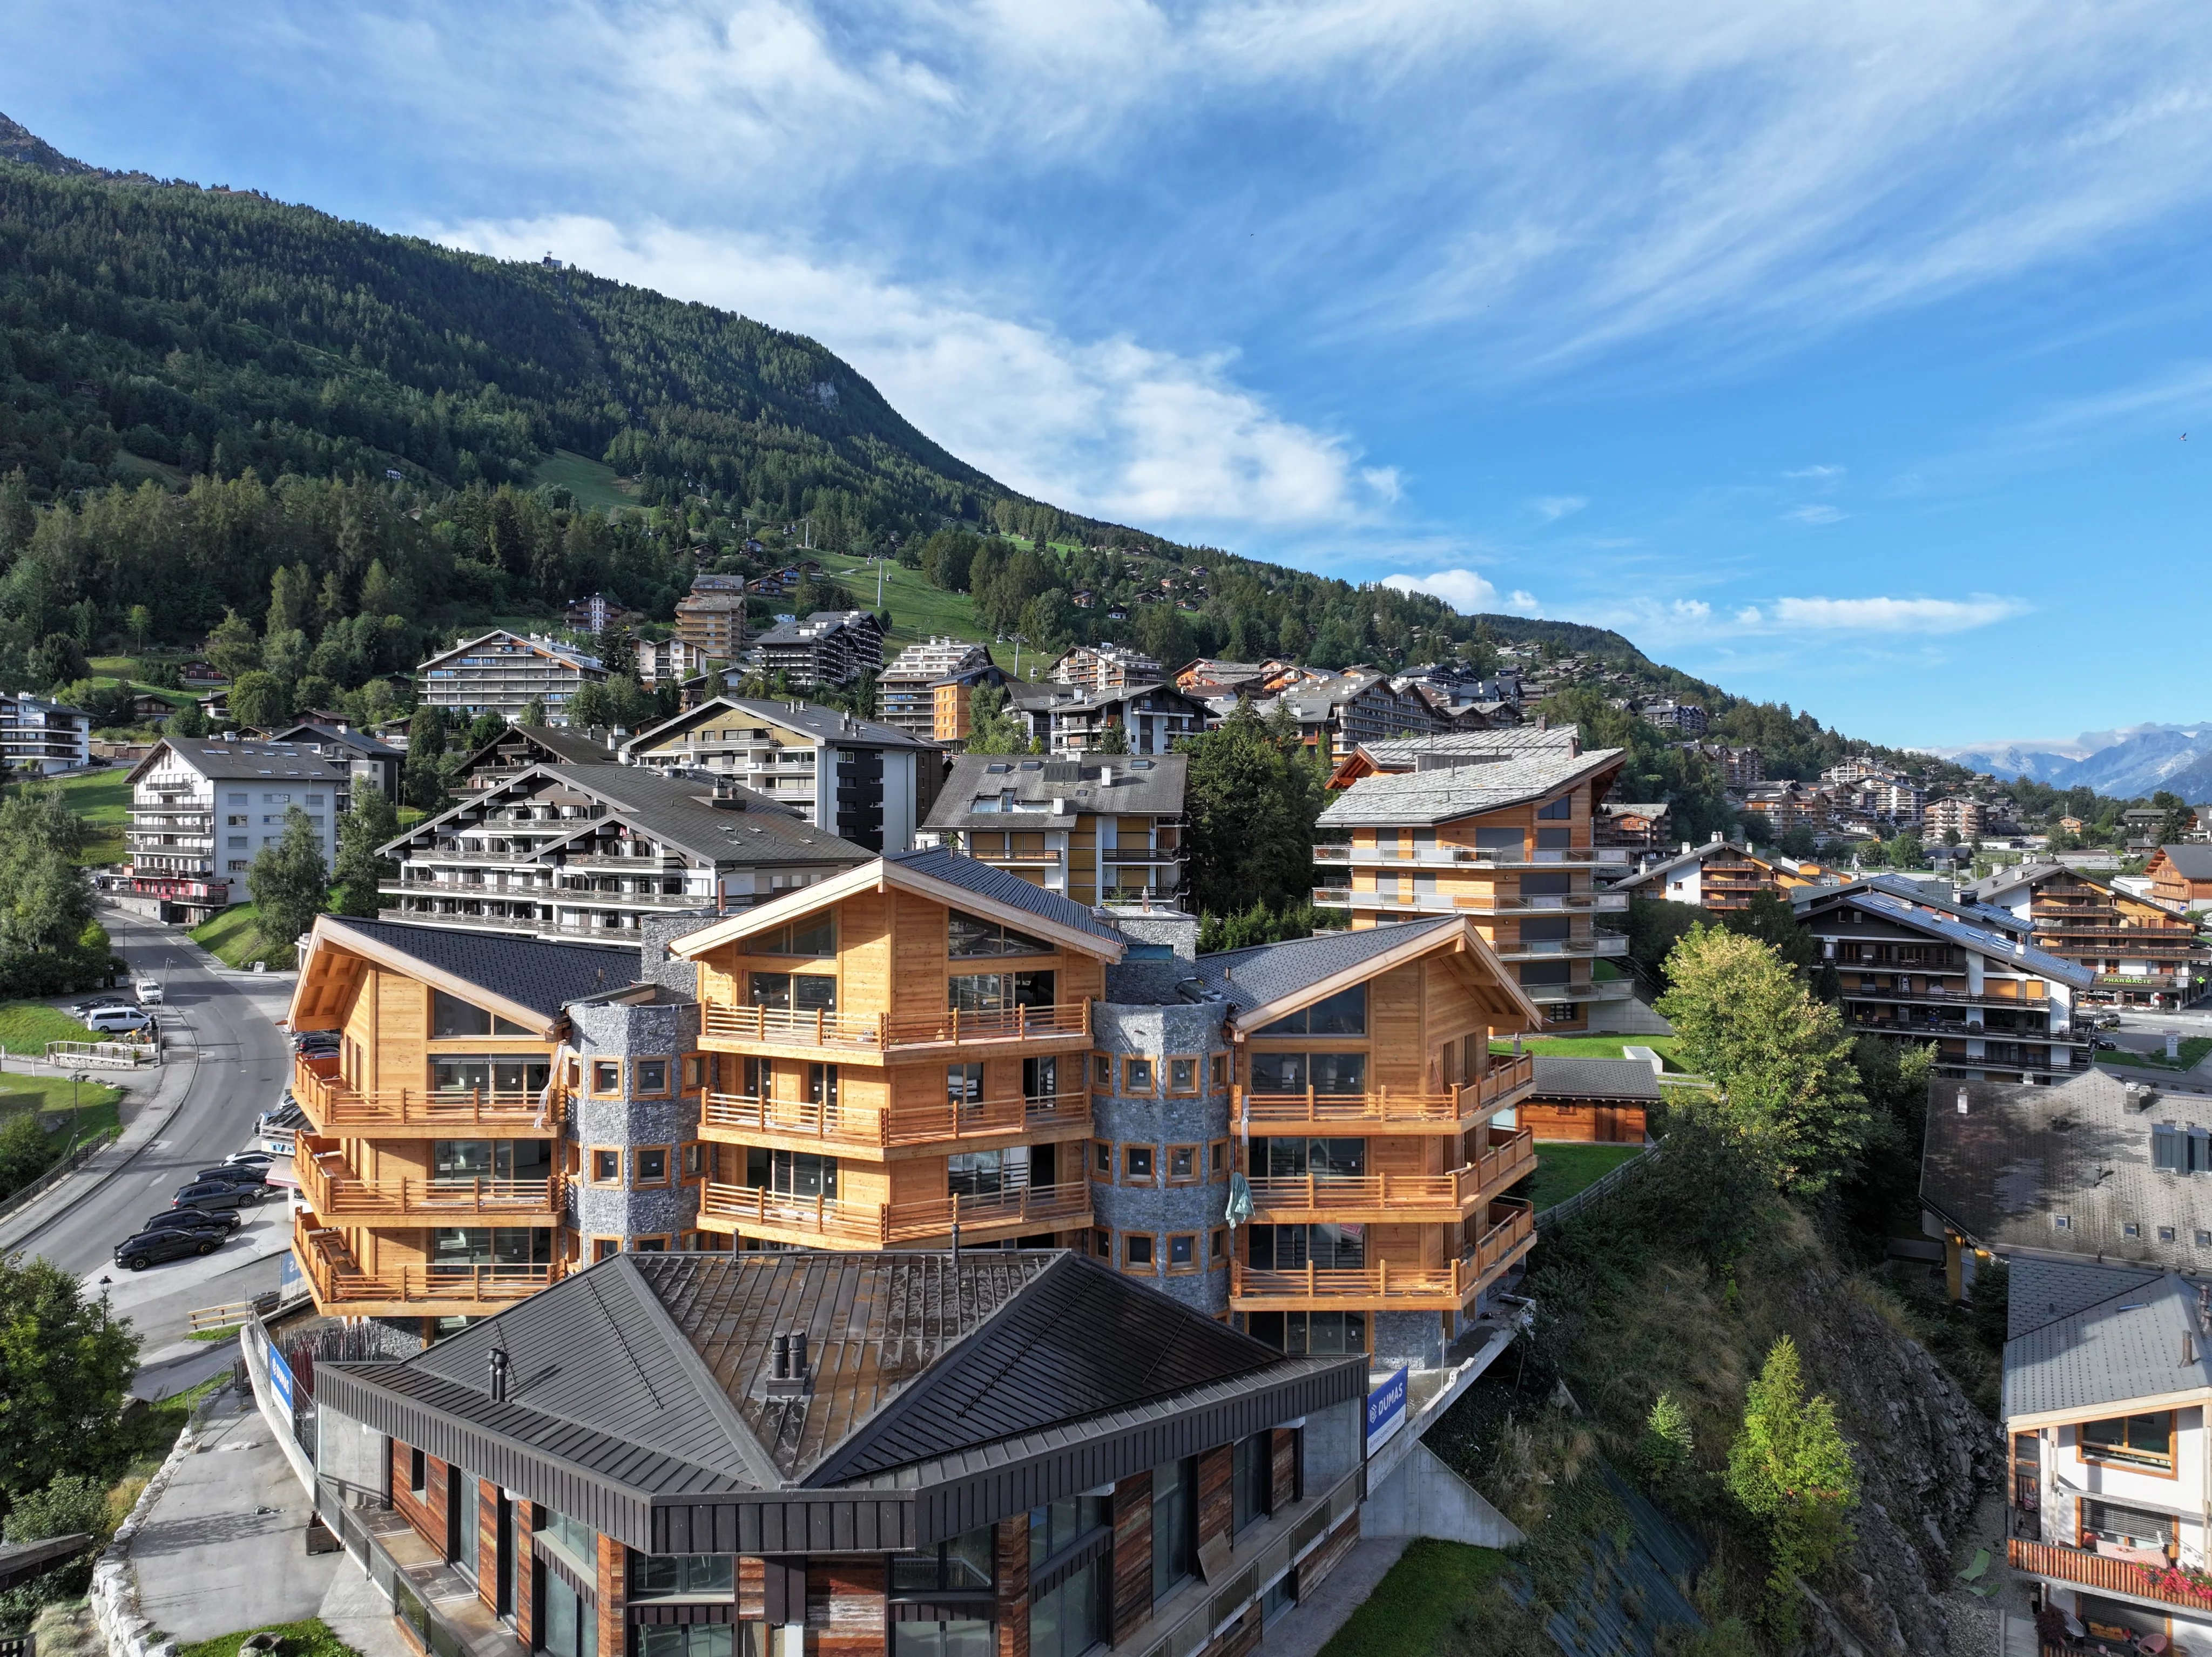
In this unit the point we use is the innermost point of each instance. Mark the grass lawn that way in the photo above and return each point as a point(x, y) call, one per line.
point(591, 482)
point(311, 1638)
point(1412, 1607)
point(1596, 1047)
point(94, 1107)
point(28, 1026)
point(102, 798)
point(234, 936)
point(918, 610)
point(2193, 1049)
point(1562, 1169)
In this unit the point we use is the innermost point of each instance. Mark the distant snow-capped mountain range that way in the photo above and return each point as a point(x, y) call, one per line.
point(2138, 761)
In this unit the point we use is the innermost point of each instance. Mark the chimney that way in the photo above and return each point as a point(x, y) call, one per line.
point(497, 1386)
point(1962, 1101)
point(1105, 776)
point(787, 1368)
point(1543, 722)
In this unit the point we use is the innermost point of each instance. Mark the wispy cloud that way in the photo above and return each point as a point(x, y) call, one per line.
point(1885, 614)
point(1816, 474)
point(1109, 426)
point(1468, 592)
point(1819, 512)
point(1550, 509)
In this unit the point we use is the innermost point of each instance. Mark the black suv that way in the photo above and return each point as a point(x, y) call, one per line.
point(151, 1247)
point(236, 1173)
point(216, 1194)
point(195, 1219)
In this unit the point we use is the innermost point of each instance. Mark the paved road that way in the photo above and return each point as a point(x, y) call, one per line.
point(228, 1021)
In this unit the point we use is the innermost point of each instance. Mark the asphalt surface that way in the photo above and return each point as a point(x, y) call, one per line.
point(222, 1024)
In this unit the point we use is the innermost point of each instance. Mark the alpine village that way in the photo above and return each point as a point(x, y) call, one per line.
point(766, 1047)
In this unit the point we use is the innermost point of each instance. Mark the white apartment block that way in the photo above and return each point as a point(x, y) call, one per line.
point(36, 735)
point(502, 673)
point(201, 810)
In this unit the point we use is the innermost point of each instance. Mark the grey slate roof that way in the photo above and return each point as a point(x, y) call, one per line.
point(677, 811)
point(359, 741)
point(568, 747)
point(1426, 798)
point(2141, 1339)
point(1559, 1077)
point(1404, 753)
point(1144, 785)
point(828, 724)
point(2189, 862)
point(252, 761)
point(2022, 1155)
point(937, 864)
point(1658, 871)
point(1980, 939)
point(648, 1369)
point(1265, 973)
point(2043, 1291)
point(1980, 914)
point(544, 977)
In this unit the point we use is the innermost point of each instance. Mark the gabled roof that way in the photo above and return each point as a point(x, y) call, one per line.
point(1423, 799)
point(1405, 753)
point(554, 745)
point(2189, 862)
point(270, 762)
point(2139, 1343)
point(1698, 854)
point(944, 876)
point(1144, 785)
point(359, 741)
point(518, 978)
point(636, 1393)
point(1981, 939)
point(569, 655)
point(1269, 981)
point(1563, 1077)
point(1986, 915)
point(828, 724)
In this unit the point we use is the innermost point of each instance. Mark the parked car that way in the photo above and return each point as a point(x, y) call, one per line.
point(82, 1008)
point(314, 1041)
point(195, 1219)
point(218, 1194)
point(257, 1158)
point(118, 1021)
point(2099, 1044)
point(2106, 1021)
point(236, 1173)
point(151, 1247)
point(149, 991)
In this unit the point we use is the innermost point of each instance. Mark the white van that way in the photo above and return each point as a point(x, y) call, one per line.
point(118, 1020)
point(149, 991)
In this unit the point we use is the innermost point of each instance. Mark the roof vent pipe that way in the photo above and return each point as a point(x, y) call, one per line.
point(1962, 1101)
point(497, 1384)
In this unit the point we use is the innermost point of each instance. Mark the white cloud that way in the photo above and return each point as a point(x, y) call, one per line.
point(1892, 614)
point(1816, 474)
point(1814, 514)
point(1108, 427)
point(1468, 592)
point(1553, 507)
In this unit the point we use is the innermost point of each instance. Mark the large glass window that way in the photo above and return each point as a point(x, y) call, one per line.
point(996, 991)
point(1060, 1525)
point(817, 935)
point(572, 1628)
point(688, 1639)
point(795, 991)
point(465, 1245)
point(790, 1173)
point(2127, 1527)
point(578, 1542)
point(968, 936)
point(1039, 1078)
point(962, 1565)
point(451, 1016)
point(1175, 1524)
point(1328, 1248)
point(986, 1173)
point(969, 1639)
point(491, 1159)
point(1325, 1159)
point(2145, 1439)
point(963, 1084)
point(682, 1575)
point(1344, 1013)
point(1294, 1072)
point(1300, 1333)
point(1251, 1479)
point(1065, 1622)
point(474, 1072)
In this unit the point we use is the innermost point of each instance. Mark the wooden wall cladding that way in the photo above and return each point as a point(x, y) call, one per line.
point(1283, 1472)
point(1239, 1639)
point(1606, 1124)
point(752, 1587)
point(488, 1543)
point(1132, 1554)
point(1013, 1587)
point(1217, 1505)
point(1328, 1557)
point(614, 1596)
point(426, 1511)
point(845, 1612)
point(525, 1586)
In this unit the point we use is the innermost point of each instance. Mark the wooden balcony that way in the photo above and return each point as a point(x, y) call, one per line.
point(749, 1029)
point(337, 1108)
point(819, 1221)
point(334, 1191)
point(1381, 1198)
point(1455, 1112)
point(2105, 1575)
point(1386, 1287)
point(1469, 902)
point(801, 1124)
point(343, 1289)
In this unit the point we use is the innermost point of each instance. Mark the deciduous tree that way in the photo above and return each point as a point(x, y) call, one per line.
point(64, 1363)
point(291, 885)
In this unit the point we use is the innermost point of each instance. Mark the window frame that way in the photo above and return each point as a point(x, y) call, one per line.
point(1219, 1163)
point(1193, 1266)
point(1102, 1161)
point(1191, 1091)
point(1131, 1241)
point(1102, 1072)
point(1220, 1067)
point(592, 1155)
point(605, 1248)
point(1129, 1173)
point(2150, 1467)
point(595, 1067)
point(637, 1075)
point(1131, 1088)
point(693, 1158)
point(1197, 1167)
point(642, 1180)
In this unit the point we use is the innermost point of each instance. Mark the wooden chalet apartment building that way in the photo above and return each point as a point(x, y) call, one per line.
point(2138, 949)
point(1497, 827)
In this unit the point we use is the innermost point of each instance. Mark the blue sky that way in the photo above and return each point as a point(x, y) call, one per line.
point(1840, 354)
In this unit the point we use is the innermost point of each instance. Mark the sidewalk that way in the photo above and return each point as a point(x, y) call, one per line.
point(224, 1547)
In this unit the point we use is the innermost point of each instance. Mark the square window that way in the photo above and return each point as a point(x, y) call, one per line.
point(606, 1167)
point(1182, 1076)
point(1182, 1253)
point(1102, 1160)
point(1102, 1072)
point(2061, 1222)
point(651, 1164)
point(1136, 1163)
point(605, 1247)
point(1219, 1168)
point(651, 1075)
point(606, 1076)
point(1182, 1161)
point(1136, 1250)
point(2204, 1239)
point(2166, 1234)
point(1136, 1076)
point(2131, 1229)
point(649, 1245)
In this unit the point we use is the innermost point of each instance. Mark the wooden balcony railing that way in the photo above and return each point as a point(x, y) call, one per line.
point(1383, 1285)
point(874, 1032)
point(337, 1280)
point(334, 1191)
point(876, 1225)
point(335, 1105)
point(1492, 1091)
point(880, 1128)
point(1400, 1195)
point(2095, 1570)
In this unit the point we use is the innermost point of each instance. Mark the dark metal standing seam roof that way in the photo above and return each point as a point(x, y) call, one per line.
point(1978, 938)
point(544, 977)
point(1148, 785)
point(1560, 1077)
point(1266, 973)
point(946, 1393)
point(677, 809)
point(937, 863)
